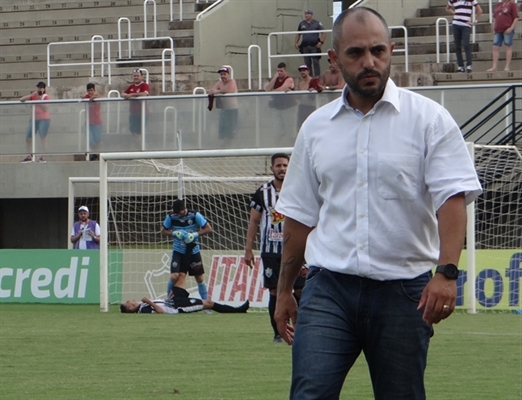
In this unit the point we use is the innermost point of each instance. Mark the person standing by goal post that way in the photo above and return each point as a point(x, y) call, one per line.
point(375, 196)
point(85, 233)
point(186, 226)
point(263, 217)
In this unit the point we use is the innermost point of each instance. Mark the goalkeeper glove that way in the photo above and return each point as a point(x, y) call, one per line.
point(180, 234)
point(192, 236)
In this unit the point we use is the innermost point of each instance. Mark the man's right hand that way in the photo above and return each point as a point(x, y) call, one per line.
point(286, 316)
point(179, 234)
point(249, 258)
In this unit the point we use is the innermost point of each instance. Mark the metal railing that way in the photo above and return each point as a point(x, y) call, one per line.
point(145, 33)
point(259, 72)
point(487, 123)
point(437, 35)
point(206, 10)
point(328, 31)
point(109, 62)
point(500, 121)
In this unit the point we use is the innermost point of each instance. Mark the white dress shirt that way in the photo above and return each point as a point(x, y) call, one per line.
point(371, 184)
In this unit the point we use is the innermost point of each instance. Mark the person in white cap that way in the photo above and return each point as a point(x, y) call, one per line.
point(227, 104)
point(307, 102)
point(85, 234)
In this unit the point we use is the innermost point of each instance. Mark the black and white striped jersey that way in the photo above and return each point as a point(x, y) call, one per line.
point(167, 306)
point(271, 226)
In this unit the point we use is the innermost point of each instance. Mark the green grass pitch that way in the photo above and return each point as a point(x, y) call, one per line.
point(76, 352)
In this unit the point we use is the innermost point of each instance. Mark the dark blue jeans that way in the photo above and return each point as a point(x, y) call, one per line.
point(340, 316)
point(461, 36)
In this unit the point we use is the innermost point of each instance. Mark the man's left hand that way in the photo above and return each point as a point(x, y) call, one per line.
point(438, 299)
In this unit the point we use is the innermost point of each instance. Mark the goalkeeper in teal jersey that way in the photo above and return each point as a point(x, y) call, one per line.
point(186, 226)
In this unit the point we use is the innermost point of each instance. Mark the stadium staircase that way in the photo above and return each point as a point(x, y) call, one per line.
point(29, 26)
point(422, 45)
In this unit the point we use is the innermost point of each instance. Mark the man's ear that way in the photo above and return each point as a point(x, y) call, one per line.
point(333, 57)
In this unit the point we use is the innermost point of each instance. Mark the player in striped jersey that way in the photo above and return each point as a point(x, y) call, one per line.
point(462, 11)
point(186, 226)
point(179, 302)
point(264, 217)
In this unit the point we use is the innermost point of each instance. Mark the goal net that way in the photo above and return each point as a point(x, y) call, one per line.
point(136, 194)
point(498, 230)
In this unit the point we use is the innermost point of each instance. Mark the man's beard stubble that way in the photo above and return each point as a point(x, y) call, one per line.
point(354, 86)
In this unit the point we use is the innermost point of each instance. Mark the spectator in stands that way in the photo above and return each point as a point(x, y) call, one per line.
point(311, 42)
point(506, 17)
point(282, 105)
point(462, 11)
point(373, 201)
point(138, 88)
point(228, 105)
point(95, 121)
point(332, 78)
point(42, 121)
point(307, 103)
point(178, 302)
point(85, 234)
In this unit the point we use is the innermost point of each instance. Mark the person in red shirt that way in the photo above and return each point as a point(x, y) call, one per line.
point(506, 18)
point(138, 88)
point(42, 121)
point(283, 106)
point(95, 120)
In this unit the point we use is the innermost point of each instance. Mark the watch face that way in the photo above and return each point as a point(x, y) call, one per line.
point(451, 271)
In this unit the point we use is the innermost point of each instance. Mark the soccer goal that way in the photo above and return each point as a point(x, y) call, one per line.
point(494, 237)
point(136, 193)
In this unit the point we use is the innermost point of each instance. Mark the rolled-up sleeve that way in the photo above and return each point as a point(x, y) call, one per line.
point(299, 198)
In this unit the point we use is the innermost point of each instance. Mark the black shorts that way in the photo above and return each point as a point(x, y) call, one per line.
point(187, 263)
point(188, 304)
point(271, 267)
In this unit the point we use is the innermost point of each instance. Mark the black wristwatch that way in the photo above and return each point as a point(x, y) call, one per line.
point(450, 271)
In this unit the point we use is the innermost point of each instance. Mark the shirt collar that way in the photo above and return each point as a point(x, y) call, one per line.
point(390, 95)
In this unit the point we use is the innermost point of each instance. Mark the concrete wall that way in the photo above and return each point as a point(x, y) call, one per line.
point(395, 11)
point(252, 21)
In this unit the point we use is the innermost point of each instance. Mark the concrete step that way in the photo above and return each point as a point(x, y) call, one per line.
point(185, 24)
point(72, 54)
point(58, 5)
point(431, 48)
point(431, 38)
point(441, 11)
point(442, 3)
point(478, 77)
point(417, 31)
point(40, 18)
point(84, 32)
point(485, 56)
point(431, 21)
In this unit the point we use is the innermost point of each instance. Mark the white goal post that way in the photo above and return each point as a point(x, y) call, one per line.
point(136, 192)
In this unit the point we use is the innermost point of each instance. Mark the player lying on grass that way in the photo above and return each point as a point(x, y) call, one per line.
point(178, 302)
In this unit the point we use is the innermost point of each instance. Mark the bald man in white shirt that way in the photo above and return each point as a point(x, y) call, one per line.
point(373, 202)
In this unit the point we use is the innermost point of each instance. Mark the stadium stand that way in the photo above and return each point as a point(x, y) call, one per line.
point(422, 51)
point(27, 29)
